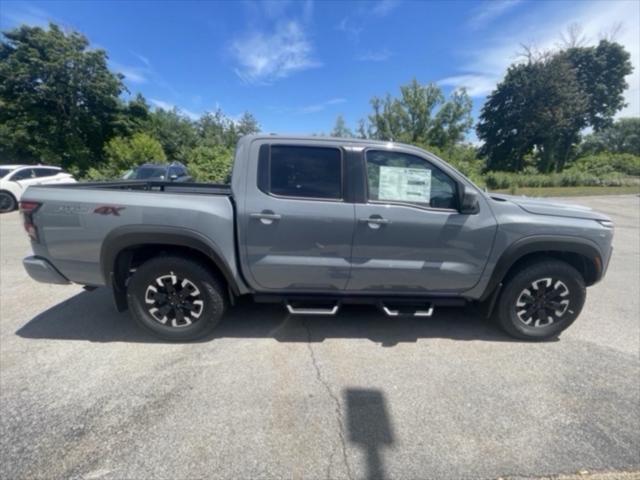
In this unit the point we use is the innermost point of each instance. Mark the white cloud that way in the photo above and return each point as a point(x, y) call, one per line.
point(375, 56)
point(489, 10)
point(170, 106)
point(476, 85)
point(485, 66)
point(25, 14)
point(318, 107)
point(143, 59)
point(384, 7)
point(354, 23)
point(132, 74)
point(265, 57)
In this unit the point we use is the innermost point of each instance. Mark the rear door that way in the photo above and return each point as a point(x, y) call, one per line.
point(47, 175)
point(410, 236)
point(25, 177)
point(297, 226)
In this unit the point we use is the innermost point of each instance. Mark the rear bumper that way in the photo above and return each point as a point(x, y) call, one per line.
point(41, 270)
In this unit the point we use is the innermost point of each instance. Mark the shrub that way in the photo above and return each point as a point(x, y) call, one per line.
point(124, 153)
point(607, 163)
point(210, 163)
point(462, 157)
point(509, 180)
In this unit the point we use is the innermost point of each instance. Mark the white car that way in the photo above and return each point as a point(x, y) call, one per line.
point(14, 180)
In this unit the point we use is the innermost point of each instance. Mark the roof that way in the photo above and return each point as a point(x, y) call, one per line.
point(343, 140)
point(14, 166)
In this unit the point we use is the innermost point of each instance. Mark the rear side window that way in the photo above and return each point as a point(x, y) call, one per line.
point(46, 172)
point(306, 172)
point(24, 174)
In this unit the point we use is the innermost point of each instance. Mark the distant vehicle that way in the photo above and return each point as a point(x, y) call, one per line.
point(174, 172)
point(14, 180)
point(315, 223)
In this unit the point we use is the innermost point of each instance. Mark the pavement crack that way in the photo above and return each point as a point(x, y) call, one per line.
point(336, 401)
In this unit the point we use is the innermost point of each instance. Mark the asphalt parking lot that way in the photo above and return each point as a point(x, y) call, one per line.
point(85, 394)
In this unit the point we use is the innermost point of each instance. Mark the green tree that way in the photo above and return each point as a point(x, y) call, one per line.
point(541, 105)
point(340, 129)
point(124, 153)
point(175, 132)
point(421, 115)
point(133, 116)
point(58, 98)
point(600, 71)
point(247, 125)
point(211, 163)
point(621, 137)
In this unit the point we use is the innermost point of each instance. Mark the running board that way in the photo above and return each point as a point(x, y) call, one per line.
point(407, 310)
point(312, 311)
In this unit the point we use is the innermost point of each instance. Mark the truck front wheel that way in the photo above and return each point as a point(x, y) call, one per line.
point(176, 298)
point(541, 300)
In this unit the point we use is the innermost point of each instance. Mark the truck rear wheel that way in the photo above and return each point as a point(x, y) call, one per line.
point(176, 298)
point(541, 300)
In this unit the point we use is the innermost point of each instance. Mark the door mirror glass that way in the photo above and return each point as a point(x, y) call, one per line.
point(469, 202)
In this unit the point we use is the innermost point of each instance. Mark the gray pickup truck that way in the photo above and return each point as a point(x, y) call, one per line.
point(315, 223)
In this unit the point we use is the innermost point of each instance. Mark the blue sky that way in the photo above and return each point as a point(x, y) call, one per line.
point(296, 65)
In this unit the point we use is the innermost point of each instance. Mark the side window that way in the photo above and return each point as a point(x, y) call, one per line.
point(46, 172)
point(24, 174)
point(175, 171)
point(404, 178)
point(309, 172)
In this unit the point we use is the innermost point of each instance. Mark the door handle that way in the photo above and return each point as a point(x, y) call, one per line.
point(375, 222)
point(266, 218)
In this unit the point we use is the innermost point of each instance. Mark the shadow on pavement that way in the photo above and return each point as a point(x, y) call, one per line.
point(369, 426)
point(91, 316)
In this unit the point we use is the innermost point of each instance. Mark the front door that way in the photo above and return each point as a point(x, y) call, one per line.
point(410, 237)
point(298, 227)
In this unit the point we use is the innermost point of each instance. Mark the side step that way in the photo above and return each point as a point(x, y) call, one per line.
point(407, 309)
point(298, 308)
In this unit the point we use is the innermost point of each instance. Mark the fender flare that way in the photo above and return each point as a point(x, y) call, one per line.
point(541, 244)
point(127, 236)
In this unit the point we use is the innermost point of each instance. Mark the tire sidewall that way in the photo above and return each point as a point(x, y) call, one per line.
point(12, 199)
point(211, 291)
point(558, 271)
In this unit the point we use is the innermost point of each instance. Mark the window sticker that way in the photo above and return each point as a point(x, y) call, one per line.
point(404, 184)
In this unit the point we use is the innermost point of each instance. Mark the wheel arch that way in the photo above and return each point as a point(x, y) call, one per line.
point(580, 253)
point(137, 243)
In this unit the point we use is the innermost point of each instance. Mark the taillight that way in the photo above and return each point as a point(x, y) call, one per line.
point(28, 209)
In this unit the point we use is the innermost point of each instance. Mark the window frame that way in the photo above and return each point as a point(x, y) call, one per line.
point(408, 204)
point(19, 171)
point(268, 191)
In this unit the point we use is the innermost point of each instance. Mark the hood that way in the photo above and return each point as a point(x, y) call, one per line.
point(555, 208)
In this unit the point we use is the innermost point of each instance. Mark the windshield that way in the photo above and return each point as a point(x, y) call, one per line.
point(5, 171)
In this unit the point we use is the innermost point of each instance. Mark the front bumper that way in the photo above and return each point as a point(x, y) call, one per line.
point(41, 270)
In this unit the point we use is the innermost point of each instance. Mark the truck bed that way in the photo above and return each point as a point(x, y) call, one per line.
point(78, 222)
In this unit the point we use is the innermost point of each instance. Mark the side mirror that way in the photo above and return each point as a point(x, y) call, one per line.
point(469, 203)
point(173, 177)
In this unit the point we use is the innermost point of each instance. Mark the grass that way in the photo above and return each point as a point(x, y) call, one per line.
point(571, 191)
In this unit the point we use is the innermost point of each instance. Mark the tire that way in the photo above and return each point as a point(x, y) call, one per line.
point(7, 202)
point(541, 300)
point(176, 298)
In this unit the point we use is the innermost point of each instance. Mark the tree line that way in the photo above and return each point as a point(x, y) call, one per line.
point(61, 104)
